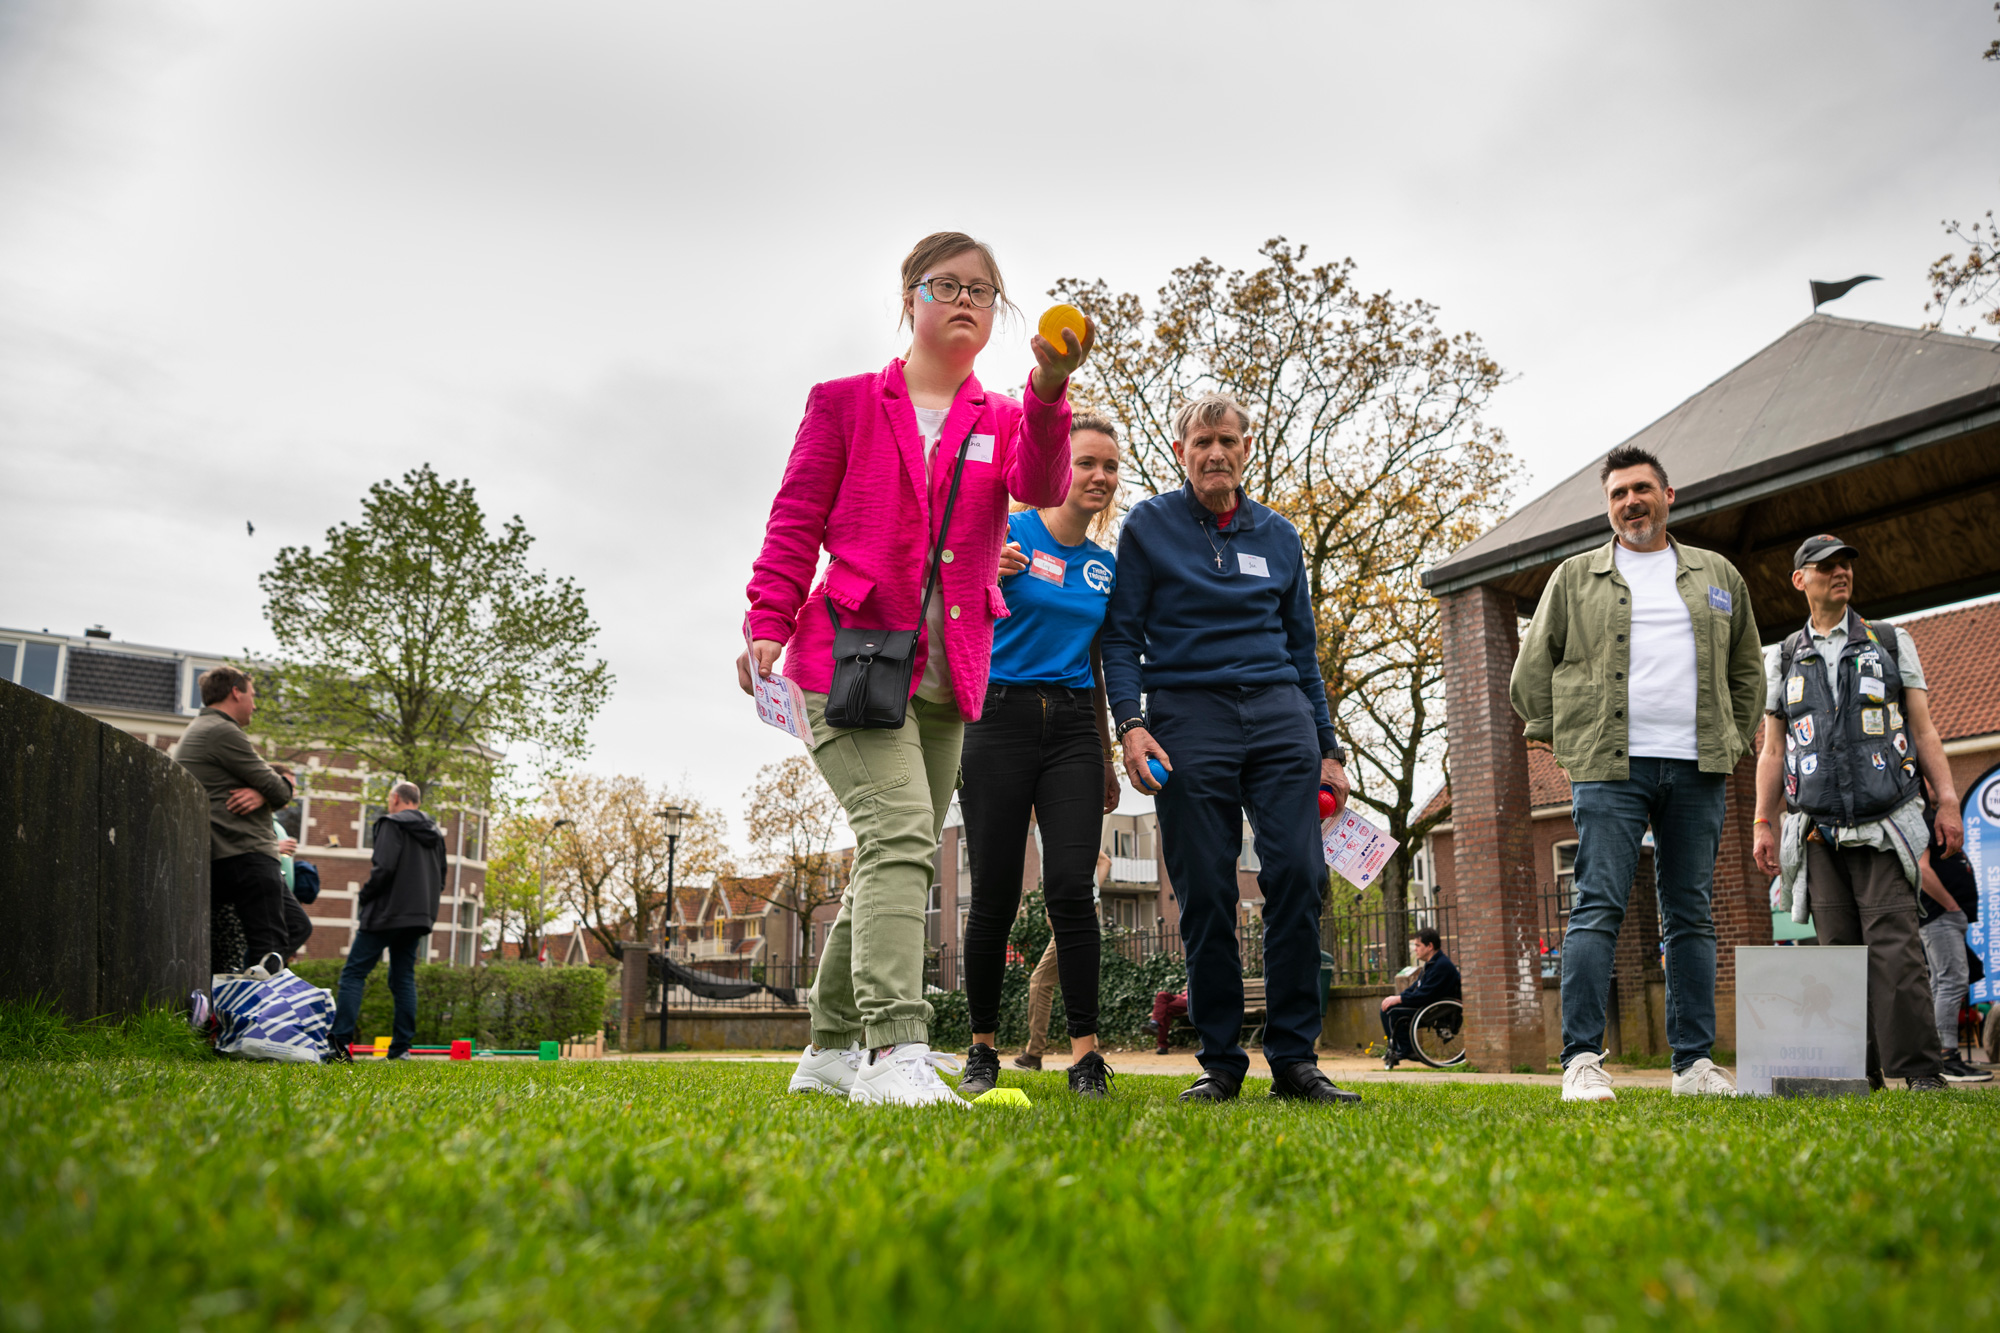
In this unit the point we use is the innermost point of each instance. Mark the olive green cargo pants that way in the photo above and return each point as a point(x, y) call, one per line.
point(895, 787)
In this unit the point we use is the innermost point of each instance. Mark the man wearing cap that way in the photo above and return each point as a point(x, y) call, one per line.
point(1641, 671)
point(1848, 747)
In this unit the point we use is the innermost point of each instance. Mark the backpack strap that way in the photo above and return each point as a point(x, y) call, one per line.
point(1885, 634)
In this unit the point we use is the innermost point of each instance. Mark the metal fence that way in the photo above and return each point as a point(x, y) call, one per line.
point(1363, 943)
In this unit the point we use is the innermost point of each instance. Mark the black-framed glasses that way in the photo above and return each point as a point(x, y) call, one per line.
point(983, 294)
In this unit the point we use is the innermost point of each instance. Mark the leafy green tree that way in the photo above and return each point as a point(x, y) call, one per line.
point(423, 642)
point(521, 902)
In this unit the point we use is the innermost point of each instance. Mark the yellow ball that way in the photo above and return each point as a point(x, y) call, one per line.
point(1057, 318)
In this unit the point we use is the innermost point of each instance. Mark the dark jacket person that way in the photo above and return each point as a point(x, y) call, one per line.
point(243, 793)
point(1438, 981)
point(397, 909)
point(1211, 621)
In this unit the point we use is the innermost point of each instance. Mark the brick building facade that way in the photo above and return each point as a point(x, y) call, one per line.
point(150, 692)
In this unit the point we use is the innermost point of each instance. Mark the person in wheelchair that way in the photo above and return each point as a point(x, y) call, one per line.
point(1438, 981)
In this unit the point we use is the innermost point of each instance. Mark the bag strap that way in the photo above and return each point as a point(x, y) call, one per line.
point(932, 576)
point(937, 547)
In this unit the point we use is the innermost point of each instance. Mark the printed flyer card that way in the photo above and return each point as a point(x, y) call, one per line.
point(781, 704)
point(1355, 848)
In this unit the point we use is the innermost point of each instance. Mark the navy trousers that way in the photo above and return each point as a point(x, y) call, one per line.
point(1253, 751)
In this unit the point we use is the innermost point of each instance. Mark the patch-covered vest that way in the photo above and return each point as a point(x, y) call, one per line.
point(1847, 751)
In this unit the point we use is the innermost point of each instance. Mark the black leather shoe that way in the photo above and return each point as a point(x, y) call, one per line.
point(1090, 1076)
point(1212, 1087)
point(982, 1071)
point(1304, 1082)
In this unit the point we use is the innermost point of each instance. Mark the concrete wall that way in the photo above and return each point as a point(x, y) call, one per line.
point(103, 864)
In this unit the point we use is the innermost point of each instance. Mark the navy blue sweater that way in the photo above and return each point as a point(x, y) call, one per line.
point(1438, 982)
point(1177, 621)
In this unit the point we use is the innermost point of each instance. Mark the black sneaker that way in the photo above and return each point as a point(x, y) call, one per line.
point(1090, 1076)
point(1027, 1061)
point(1212, 1087)
point(1304, 1082)
point(1957, 1070)
point(338, 1054)
point(982, 1071)
point(1926, 1083)
point(1161, 1050)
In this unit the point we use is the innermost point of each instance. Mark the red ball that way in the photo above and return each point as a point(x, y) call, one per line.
point(1326, 804)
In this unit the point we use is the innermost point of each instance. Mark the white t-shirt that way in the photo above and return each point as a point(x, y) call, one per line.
point(1660, 700)
point(936, 684)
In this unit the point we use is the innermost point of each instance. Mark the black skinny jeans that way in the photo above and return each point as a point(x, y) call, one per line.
point(1034, 747)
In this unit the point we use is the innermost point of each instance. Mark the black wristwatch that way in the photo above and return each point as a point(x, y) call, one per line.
point(1128, 724)
point(1338, 755)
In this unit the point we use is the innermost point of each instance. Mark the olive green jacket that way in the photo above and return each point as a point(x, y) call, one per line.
point(1570, 681)
point(220, 755)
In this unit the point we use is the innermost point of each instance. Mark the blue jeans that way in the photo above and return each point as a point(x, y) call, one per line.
point(1243, 751)
point(1684, 806)
point(362, 956)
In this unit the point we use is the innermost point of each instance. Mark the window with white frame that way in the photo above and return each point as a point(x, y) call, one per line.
point(1565, 858)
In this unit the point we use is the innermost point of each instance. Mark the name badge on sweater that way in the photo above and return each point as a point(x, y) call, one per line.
point(1252, 564)
point(980, 450)
point(1871, 688)
point(1718, 598)
point(1048, 568)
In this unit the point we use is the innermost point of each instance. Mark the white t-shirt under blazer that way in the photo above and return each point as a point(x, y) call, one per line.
point(1660, 703)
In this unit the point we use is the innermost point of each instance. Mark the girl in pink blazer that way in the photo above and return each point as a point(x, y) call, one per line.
point(867, 481)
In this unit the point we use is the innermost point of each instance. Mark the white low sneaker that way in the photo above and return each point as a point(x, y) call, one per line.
point(1584, 1080)
point(1703, 1079)
point(827, 1071)
point(908, 1076)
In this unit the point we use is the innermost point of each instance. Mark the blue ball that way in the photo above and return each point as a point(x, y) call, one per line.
point(1158, 770)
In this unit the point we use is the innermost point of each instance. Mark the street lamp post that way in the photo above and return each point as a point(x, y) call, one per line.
point(671, 816)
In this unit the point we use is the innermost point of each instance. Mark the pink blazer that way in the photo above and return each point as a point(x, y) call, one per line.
point(855, 484)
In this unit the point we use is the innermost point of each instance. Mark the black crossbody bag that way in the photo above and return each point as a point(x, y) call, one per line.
point(871, 667)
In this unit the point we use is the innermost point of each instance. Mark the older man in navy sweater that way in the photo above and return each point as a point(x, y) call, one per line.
point(1212, 622)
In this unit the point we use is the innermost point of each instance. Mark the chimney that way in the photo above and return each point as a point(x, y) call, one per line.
point(97, 632)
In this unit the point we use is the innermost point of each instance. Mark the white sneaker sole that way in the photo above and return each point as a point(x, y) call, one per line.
point(1589, 1095)
point(814, 1083)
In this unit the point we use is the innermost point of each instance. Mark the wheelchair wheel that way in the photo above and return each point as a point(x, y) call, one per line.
point(1438, 1034)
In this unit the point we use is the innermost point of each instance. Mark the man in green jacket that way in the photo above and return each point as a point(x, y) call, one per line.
point(1642, 671)
point(243, 792)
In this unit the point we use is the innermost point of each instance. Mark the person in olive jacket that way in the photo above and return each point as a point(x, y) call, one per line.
point(1642, 671)
point(398, 906)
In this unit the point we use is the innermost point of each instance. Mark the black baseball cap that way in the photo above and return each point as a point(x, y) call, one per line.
point(1823, 547)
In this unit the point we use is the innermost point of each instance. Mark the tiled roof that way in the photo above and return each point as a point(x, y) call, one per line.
point(122, 680)
point(1960, 653)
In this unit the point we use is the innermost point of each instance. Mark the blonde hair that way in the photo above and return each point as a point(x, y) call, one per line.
point(935, 249)
point(1207, 410)
point(1105, 521)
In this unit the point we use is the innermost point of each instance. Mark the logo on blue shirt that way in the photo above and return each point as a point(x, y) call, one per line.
point(1097, 574)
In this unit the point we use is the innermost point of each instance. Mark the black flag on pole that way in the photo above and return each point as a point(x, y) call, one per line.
point(1833, 291)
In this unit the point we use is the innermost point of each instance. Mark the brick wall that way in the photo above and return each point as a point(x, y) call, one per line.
point(1495, 882)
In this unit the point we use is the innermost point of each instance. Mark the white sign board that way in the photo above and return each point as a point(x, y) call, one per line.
point(1801, 1012)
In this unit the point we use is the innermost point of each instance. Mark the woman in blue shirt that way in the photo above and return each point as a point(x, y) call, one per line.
point(1043, 745)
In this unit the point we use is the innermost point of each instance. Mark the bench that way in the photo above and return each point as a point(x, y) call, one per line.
point(1254, 1013)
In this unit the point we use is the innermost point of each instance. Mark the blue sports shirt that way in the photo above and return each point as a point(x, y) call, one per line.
point(1055, 607)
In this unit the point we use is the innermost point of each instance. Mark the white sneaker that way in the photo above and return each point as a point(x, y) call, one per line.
point(827, 1071)
point(1703, 1079)
point(1584, 1080)
point(908, 1076)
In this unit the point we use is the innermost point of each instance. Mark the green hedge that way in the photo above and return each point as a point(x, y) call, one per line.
point(504, 1005)
point(1125, 992)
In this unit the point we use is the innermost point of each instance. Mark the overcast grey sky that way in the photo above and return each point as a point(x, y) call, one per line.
point(255, 257)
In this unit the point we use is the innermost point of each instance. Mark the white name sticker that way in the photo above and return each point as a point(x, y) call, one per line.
point(980, 450)
point(1047, 568)
point(1871, 688)
point(1252, 564)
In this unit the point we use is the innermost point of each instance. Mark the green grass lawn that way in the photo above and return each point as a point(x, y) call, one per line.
point(175, 1192)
